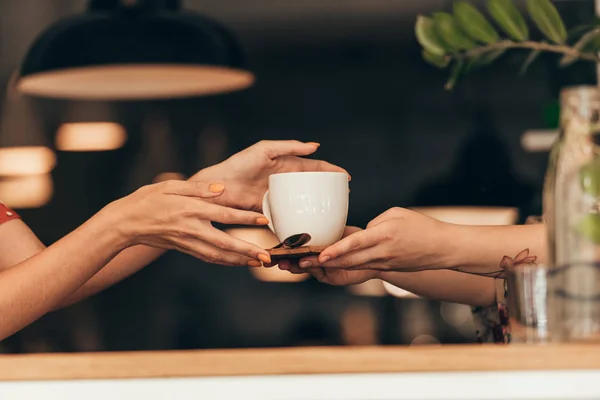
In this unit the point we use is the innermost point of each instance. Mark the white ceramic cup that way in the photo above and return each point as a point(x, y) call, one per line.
point(308, 202)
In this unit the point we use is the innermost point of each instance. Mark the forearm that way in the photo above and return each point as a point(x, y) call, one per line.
point(35, 286)
point(19, 243)
point(125, 264)
point(480, 249)
point(445, 285)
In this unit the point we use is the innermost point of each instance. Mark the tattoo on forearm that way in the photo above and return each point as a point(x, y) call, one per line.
point(506, 264)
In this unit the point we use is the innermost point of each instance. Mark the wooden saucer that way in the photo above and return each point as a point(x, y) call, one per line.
point(299, 252)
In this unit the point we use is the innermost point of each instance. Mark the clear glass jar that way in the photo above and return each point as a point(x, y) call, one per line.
point(572, 211)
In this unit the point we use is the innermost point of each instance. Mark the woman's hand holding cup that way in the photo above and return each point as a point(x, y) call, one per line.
point(176, 215)
point(397, 240)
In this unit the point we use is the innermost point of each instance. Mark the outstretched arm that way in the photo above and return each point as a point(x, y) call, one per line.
point(245, 176)
point(31, 288)
point(18, 243)
point(427, 257)
point(170, 215)
point(404, 240)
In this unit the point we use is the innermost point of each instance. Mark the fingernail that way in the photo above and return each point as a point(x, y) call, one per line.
point(216, 187)
point(305, 264)
point(264, 258)
point(262, 221)
point(314, 144)
point(324, 259)
point(254, 263)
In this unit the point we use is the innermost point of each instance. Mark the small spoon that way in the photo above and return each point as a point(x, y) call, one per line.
point(294, 241)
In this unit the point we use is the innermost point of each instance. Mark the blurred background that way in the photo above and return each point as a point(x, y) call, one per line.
point(345, 73)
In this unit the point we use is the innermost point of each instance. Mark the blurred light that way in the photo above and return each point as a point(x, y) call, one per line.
point(416, 319)
point(372, 288)
point(472, 215)
point(169, 176)
point(264, 238)
point(90, 136)
point(397, 292)
point(423, 340)
point(24, 147)
point(26, 160)
point(539, 140)
point(26, 191)
point(459, 316)
point(274, 274)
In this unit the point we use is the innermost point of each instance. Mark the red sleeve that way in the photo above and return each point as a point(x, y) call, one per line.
point(7, 214)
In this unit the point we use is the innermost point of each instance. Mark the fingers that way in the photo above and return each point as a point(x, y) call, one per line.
point(358, 241)
point(362, 259)
point(307, 262)
point(279, 148)
point(227, 215)
point(214, 255)
point(284, 265)
point(227, 243)
point(318, 273)
point(192, 188)
point(321, 166)
point(350, 230)
point(296, 270)
point(313, 261)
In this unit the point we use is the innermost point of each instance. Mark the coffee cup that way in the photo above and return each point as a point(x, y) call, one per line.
point(308, 202)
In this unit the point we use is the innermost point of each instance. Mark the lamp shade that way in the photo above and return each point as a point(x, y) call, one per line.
point(132, 53)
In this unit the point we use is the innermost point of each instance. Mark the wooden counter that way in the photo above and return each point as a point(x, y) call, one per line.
point(409, 373)
point(298, 361)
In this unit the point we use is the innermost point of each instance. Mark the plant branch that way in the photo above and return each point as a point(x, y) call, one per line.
point(540, 46)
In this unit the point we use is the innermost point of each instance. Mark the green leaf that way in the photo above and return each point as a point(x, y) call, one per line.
point(437, 61)
point(530, 59)
point(588, 43)
point(427, 37)
point(548, 20)
point(450, 34)
point(455, 74)
point(506, 15)
point(474, 24)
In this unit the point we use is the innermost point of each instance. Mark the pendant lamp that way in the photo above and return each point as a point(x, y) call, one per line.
point(134, 50)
